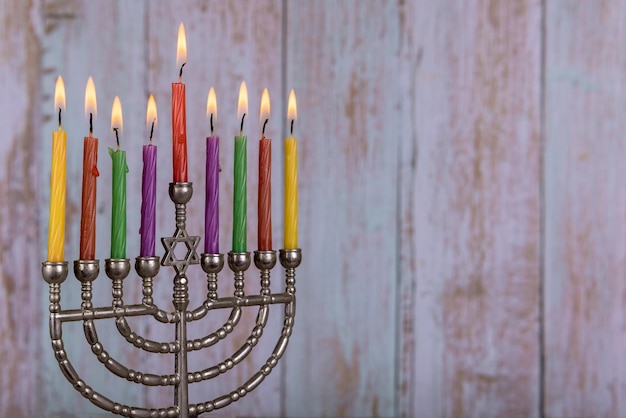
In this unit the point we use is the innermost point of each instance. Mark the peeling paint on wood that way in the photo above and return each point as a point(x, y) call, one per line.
point(476, 223)
point(20, 309)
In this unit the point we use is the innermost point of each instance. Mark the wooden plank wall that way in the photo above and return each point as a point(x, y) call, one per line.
point(461, 209)
point(475, 208)
point(585, 296)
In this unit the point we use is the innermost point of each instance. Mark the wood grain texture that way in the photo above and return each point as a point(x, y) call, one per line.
point(421, 179)
point(475, 205)
point(585, 209)
point(341, 64)
point(20, 307)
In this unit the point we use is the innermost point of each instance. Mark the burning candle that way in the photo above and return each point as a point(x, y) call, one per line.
point(118, 197)
point(179, 112)
point(265, 180)
point(90, 173)
point(239, 193)
point(148, 187)
point(56, 226)
point(211, 207)
point(291, 180)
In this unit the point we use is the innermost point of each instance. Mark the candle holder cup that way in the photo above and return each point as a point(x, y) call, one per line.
point(86, 271)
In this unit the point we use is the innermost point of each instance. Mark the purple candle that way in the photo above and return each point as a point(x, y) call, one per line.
point(211, 212)
point(148, 202)
point(211, 207)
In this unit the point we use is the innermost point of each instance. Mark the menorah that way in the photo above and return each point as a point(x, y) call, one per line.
point(86, 271)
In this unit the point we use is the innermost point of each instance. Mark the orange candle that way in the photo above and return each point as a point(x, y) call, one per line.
point(90, 173)
point(265, 180)
point(179, 113)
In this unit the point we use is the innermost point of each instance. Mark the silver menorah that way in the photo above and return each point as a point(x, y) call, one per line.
point(86, 271)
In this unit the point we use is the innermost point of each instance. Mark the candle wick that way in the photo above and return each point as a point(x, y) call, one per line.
point(117, 137)
point(241, 130)
point(291, 127)
point(59, 117)
point(211, 124)
point(152, 130)
point(180, 75)
point(264, 123)
point(90, 123)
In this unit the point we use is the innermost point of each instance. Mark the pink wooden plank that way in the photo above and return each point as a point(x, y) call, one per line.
point(20, 307)
point(585, 209)
point(471, 206)
point(340, 61)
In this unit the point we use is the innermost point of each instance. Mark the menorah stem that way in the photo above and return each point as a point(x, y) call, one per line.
point(181, 302)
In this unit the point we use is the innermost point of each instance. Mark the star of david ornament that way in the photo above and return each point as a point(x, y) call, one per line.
point(191, 257)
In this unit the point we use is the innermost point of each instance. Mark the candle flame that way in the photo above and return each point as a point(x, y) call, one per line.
point(181, 50)
point(242, 107)
point(116, 115)
point(151, 112)
point(91, 105)
point(59, 94)
point(292, 111)
point(211, 105)
point(265, 106)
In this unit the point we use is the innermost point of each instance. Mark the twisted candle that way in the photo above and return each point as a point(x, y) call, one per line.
point(211, 210)
point(239, 195)
point(291, 194)
point(88, 208)
point(265, 195)
point(56, 233)
point(118, 206)
point(148, 202)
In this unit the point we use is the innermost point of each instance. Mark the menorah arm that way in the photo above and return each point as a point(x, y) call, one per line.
point(197, 344)
point(230, 302)
point(69, 315)
point(240, 354)
point(258, 377)
point(54, 274)
point(97, 398)
point(160, 347)
point(118, 368)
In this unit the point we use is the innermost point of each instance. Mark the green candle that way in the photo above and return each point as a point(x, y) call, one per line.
point(118, 206)
point(239, 196)
point(118, 197)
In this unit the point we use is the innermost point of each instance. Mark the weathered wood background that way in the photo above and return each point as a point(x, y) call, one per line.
point(461, 200)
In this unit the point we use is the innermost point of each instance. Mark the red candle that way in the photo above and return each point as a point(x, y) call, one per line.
point(179, 116)
point(90, 173)
point(265, 180)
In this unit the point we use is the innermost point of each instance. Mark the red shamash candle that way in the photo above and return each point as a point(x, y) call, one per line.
point(179, 112)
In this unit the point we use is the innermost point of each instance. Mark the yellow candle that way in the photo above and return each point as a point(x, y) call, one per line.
point(56, 227)
point(291, 181)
